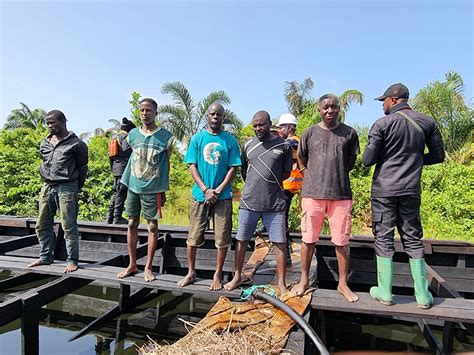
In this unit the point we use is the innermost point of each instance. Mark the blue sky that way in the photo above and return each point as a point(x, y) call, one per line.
point(87, 57)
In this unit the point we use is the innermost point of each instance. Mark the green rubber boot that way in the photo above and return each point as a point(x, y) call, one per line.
point(383, 292)
point(418, 272)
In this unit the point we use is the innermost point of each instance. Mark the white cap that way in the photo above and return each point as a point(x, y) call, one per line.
point(287, 118)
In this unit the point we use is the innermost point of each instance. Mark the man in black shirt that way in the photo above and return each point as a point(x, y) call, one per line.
point(63, 169)
point(396, 145)
point(118, 164)
point(328, 152)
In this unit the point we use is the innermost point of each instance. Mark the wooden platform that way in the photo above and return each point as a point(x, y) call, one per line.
point(164, 282)
point(104, 254)
point(445, 309)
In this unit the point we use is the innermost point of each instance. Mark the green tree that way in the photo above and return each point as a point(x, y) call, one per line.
point(24, 117)
point(185, 117)
point(297, 95)
point(19, 162)
point(135, 109)
point(445, 102)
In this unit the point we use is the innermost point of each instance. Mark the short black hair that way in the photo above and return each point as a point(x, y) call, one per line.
point(265, 114)
point(57, 115)
point(329, 96)
point(150, 101)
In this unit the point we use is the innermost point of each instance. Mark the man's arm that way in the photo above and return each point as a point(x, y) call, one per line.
point(288, 163)
point(374, 146)
point(229, 177)
point(355, 150)
point(209, 194)
point(244, 167)
point(82, 159)
point(435, 145)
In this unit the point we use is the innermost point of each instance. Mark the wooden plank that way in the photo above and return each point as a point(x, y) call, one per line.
point(20, 280)
point(10, 310)
point(430, 338)
point(456, 310)
point(40, 296)
point(29, 327)
point(167, 282)
point(139, 297)
point(18, 243)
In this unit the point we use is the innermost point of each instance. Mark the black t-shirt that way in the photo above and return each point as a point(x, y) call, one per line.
point(329, 153)
point(265, 163)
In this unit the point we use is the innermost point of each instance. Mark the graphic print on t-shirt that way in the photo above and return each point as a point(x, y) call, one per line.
point(212, 153)
point(145, 164)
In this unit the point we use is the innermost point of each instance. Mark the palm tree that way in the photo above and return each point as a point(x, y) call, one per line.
point(445, 102)
point(23, 117)
point(346, 99)
point(186, 117)
point(297, 95)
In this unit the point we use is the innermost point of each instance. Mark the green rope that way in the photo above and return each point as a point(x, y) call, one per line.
point(247, 293)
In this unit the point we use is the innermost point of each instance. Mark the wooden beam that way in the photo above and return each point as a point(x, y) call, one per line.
point(39, 296)
point(30, 327)
point(21, 280)
point(430, 338)
point(18, 243)
point(139, 297)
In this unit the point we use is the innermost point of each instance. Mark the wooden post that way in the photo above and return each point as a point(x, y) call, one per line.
point(29, 328)
point(124, 298)
point(448, 337)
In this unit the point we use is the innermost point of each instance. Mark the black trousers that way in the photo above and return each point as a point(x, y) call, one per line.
point(402, 212)
point(117, 201)
point(289, 196)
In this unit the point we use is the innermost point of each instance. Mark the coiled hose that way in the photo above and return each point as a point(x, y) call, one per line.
point(294, 316)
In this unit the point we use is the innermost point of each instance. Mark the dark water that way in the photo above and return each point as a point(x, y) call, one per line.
point(159, 319)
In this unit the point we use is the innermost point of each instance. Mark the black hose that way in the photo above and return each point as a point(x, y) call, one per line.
point(294, 316)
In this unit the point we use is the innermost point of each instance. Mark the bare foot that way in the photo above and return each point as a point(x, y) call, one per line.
point(187, 280)
point(234, 283)
point(283, 289)
point(130, 271)
point(149, 275)
point(300, 288)
point(347, 293)
point(70, 267)
point(216, 284)
point(38, 262)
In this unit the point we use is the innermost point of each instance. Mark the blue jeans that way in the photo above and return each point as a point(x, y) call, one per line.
point(274, 223)
point(64, 197)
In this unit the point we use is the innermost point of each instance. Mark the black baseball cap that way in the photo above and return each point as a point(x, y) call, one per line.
point(396, 90)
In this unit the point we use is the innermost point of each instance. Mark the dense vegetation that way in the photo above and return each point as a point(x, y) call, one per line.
point(447, 208)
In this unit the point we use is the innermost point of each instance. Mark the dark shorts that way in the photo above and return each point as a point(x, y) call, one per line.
point(274, 223)
point(146, 204)
point(199, 214)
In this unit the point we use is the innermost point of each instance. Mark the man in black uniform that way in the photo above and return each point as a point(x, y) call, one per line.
point(396, 145)
point(118, 164)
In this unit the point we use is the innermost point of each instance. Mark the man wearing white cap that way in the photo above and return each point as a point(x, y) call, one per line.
point(292, 185)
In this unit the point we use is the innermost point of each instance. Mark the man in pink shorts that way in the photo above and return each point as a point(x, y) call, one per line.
point(327, 153)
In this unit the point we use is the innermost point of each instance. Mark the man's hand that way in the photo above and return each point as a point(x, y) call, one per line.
point(163, 198)
point(211, 196)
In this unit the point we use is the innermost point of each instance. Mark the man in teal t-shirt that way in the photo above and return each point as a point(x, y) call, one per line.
point(213, 157)
point(147, 179)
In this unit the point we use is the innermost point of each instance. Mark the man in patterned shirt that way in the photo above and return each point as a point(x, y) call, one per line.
point(147, 178)
point(266, 162)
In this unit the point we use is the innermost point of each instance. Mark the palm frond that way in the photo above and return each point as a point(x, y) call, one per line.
point(180, 95)
point(216, 96)
point(231, 122)
point(346, 99)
